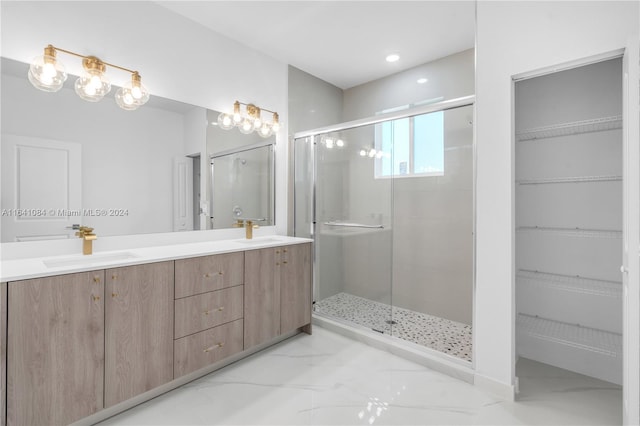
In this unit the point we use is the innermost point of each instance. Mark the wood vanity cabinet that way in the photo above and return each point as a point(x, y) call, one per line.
point(277, 292)
point(138, 330)
point(78, 343)
point(55, 349)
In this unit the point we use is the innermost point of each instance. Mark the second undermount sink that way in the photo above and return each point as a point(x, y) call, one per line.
point(262, 240)
point(85, 260)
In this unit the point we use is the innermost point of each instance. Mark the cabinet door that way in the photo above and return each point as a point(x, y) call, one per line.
point(55, 349)
point(262, 296)
point(139, 330)
point(295, 287)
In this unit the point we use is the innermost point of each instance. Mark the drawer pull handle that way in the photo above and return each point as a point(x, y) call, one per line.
point(114, 294)
point(207, 275)
point(284, 261)
point(220, 273)
point(219, 345)
point(96, 298)
point(221, 308)
point(277, 263)
point(277, 251)
point(284, 251)
point(96, 279)
point(114, 277)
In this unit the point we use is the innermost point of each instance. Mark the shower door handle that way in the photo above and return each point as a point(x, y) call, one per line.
point(354, 225)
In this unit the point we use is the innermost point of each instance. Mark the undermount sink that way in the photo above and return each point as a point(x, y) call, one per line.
point(83, 260)
point(263, 240)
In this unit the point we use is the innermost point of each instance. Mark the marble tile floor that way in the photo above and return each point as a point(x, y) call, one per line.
point(328, 379)
point(450, 337)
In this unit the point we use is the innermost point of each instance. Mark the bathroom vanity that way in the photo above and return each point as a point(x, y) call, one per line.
point(89, 336)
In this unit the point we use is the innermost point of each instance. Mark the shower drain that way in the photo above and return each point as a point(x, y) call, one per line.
point(391, 322)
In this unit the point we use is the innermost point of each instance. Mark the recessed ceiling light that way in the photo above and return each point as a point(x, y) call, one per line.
point(392, 58)
point(422, 80)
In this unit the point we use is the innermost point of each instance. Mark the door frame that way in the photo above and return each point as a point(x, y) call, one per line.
point(630, 261)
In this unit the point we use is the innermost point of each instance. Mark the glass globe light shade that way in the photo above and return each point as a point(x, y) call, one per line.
point(265, 130)
point(47, 74)
point(246, 126)
point(339, 143)
point(257, 123)
point(225, 121)
point(92, 86)
point(363, 153)
point(132, 94)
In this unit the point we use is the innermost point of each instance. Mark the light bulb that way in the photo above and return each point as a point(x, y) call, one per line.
point(276, 127)
point(136, 92)
point(265, 131)
point(46, 73)
point(225, 121)
point(92, 86)
point(340, 143)
point(329, 143)
point(372, 153)
point(363, 153)
point(246, 126)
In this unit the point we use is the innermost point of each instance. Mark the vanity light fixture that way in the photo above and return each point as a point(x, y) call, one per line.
point(249, 120)
point(48, 74)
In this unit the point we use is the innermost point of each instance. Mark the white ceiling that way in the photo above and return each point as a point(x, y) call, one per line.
point(342, 42)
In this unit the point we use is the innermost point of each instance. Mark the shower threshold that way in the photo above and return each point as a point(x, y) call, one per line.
point(450, 337)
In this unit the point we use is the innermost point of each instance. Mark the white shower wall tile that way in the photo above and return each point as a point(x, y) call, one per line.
point(450, 337)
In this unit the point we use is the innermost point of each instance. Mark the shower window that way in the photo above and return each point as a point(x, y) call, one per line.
point(417, 144)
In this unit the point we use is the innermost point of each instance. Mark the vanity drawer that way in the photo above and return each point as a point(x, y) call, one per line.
point(207, 273)
point(203, 311)
point(201, 349)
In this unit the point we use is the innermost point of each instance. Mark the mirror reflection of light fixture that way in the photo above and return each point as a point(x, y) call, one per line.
point(331, 142)
point(250, 120)
point(48, 74)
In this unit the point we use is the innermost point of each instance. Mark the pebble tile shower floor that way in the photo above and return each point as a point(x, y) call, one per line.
point(437, 333)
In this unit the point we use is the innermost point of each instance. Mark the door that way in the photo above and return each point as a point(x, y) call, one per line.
point(55, 346)
point(631, 233)
point(138, 330)
point(295, 287)
point(353, 216)
point(182, 194)
point(261, 296)
point(41, 188)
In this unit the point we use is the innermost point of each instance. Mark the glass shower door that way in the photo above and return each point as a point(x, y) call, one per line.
point(353, 230)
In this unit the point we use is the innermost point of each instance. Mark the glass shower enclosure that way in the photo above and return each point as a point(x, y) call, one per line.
point(389, 203)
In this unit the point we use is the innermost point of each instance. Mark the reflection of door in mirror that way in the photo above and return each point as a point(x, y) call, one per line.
point(41, 188)
point(242, 186)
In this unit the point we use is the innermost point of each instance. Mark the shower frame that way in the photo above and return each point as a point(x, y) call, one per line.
point(430, 355)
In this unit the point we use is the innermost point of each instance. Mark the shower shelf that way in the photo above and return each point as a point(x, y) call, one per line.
point(573, 179)
point(572, 232)
point(571, 128)
point(573, 284)
point(573, 335)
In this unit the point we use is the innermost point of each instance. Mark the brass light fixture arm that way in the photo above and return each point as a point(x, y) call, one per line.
point(92, 58)
point(252, 105)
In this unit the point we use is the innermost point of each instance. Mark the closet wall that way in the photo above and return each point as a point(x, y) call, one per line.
point(568, 170)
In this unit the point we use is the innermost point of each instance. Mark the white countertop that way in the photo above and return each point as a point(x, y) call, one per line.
point(20, 269)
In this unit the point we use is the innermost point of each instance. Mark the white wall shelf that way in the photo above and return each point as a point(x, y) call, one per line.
point(572, 179)
point(572, 232)
point(571, 128)
point(574, 335)
point(574, 284)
